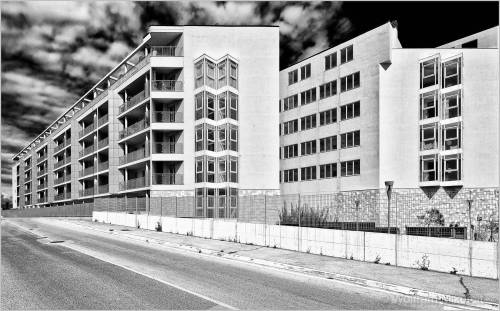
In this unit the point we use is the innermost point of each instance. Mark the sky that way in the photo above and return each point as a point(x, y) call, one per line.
point(54, 52)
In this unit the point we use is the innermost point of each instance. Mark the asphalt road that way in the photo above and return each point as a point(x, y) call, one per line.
point(41, 275)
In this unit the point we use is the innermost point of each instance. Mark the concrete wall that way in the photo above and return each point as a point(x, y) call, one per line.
point(475, 258)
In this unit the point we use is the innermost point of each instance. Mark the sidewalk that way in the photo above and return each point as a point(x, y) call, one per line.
point(400, 279)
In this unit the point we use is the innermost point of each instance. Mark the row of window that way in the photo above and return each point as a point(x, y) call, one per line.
point(216, 107)
point(216, 138)
point(216, 75)
point(451, 168)
point(326, 90)
point(451, 72)
point(347, 169)
point(346, 55)
point(348, 111)
point(216, 169)
point(451, 105)
point(220, 202)
point(326, 144)
point(451, 136)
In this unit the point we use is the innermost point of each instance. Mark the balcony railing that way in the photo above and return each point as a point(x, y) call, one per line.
point(134, 156)
point(428, 145)
point(166, 51)
point(42, 200)
point(167, 86)
point(62, 196)
point(62, 162)
point(87, 192)
point(87, 151)
point(133, 101)
point(103, 189)
point(41, 159)
point(168, 117)
point(88, 171)
point(168, 147)
point(61, 146)
point(88, 129)
point(134, 128)
point(102, 120)
point(41, 172)
point(103, 143)
point(168, 179)
point(143, 62)
point(103, 166)
point(62, 179)
point(134, 183)
point(42, 186)
point(99, 97)
point(27, 167)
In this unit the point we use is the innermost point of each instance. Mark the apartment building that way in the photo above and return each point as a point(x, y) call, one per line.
point(188, 112)
point(369, 111)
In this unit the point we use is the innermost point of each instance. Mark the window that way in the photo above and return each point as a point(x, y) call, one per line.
point(290, 127)
point(198, 76)
point(428, 73)
point(210, 142)
point(452, 105)
point(308, 147)
point(308, 173)
point(290, 102)
point(291, 151)
point(328, 170)
point(210, 169)
point(221, 138)
point(328, 89)
point(305, 72)
point(233, 106)
point(210, 202)
point(233, 172)
point(452, 167)
point(451, 137)
point(233, 138)
point(210, 106)
point(328, 144)
point(221, 202)
point(308, 122)
point(452, 72)
point(221, 69)
point(293, 77)
point(470, 44)
point(222, 109)
point(233, 74)
point(349, 140)
point(350, 168)
point(346, 54)
point(221, 171)
point(291, 175)
point(428, 137)
point(349, 111)
point(199, 138)
point(428, 105)
point(428, 168)
point(199, 169)
point(308, 96)
point(349, 82)
point(328, 117)
point(210, 74)
point(331, 61)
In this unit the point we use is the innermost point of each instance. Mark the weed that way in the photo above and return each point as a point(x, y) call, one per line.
point(274, 246)
point(189, 233)
point(377, 259)
point(308, 250)
point(424, 264)
point(387, 263)
point(158, 226)
point(454, 271)
point(351, 258)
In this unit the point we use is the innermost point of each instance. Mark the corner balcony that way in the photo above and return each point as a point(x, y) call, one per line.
point(62, 163)
point(167, 51)
point(134, 128)
point(168, 179)
point(41, 159)
point(167, 89)
point(62, 179)
point(103, 189)
point(41, 172)
point(133, 156)
point(168, 148)
point(103, 143)
point(87, 130)
point(61, 146)
point(132, 102)
point(125, 76)
point(87, 151)
point(168, 117)
point(88, 171)
point(134, 183)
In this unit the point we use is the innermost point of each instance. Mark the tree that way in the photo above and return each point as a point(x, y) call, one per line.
point(433, 217)
point(6, 202)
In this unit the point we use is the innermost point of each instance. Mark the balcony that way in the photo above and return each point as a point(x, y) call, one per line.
point(132, 71)
point(167, 86)
point(42, 186)
point(62, 162)
point(87, 151)
point(62, 179)
point(134, 156)
point(103, 143)
point(99, 97)
point(42, 172)
point(135, 183)
point(168, 51)
point(27, 167)
point(88, 171)
point(134, 128)
point(87, 192)
point(62, 196)
point(133, 101)
point(167, 147)
point(42, 200)
point(88, 129)
point(102, 120)
point(168, 117)
point(41, 159)
point(103, 189)
point(103, 166)
point(168, 179)
point(62, 145)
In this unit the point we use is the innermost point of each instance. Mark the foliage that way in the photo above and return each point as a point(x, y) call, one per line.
point(158, 226)
point(433, 217)
point(308, 216)
point(425, 263)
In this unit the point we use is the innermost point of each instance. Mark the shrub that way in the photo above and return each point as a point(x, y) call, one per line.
point(377, 259)
point(433, 217)
point(158, 226)
point(424, 264)
point(309, 216)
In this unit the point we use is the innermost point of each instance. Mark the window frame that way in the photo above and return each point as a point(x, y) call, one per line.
point(355, 168)
point(448, 158)
point(331, 61)
point(305, 72)
point(457, 128)
point(423, 108)
point(293, 76)
point(423, 140)
point(435, 170)
point(446, 108)
point(345, 53)
point(458, 63)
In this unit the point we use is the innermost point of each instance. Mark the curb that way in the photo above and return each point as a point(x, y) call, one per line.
point(313, 272)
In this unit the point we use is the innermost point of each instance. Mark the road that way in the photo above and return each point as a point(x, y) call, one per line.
point(87, 269)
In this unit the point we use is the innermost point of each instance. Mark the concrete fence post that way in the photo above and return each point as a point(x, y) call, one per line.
point(265, 219)
point(299, 231)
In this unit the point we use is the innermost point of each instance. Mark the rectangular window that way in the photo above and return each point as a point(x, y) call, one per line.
point(308, 96)
point(308, 147)
point(350, 168)
point(233, 106)
point(221, 169)
point(210, 74)
point(291, 151)
point(451, 137)
point(233, 74)
point(308, 173)
point(221, 138)
point(452, 105)
point(210, 106)
point(210, 137)
point(210, 169)
point(452, 72)
point(308, 122)
point(233, 172)
point(346, 54)
point(428, 105)
point(328, 143)
point(452, 167)
point(291, 102)
point(199, 137)
point(290, 127)
point(199, 169)
point(198, 74)
point(328, 170)
point(349, 111)
point(328, 89)
point(328, 117)
point(428, 137)
point(331, 61)
point(349, 140)
point(233, 137)
point(429, 73)
point(429, 168)
point(349, 82)
point(305, 72)
point(293, 77)
point(291, 175)
point(221, 202)
point(221, 79)
point(198, 99)
point(222, 109)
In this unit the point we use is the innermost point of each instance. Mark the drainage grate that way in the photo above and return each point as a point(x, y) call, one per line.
point(56, 241)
